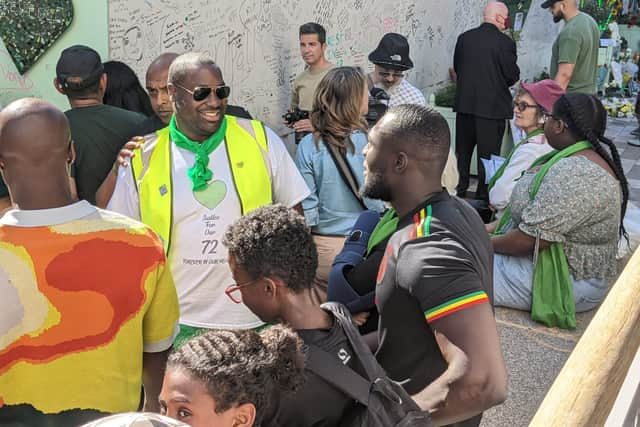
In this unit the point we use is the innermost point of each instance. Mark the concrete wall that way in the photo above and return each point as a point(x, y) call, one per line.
point(632, 35)
point(89, 27)
point(536, 40)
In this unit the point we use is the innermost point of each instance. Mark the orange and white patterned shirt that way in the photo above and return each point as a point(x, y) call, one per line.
point(84, 293)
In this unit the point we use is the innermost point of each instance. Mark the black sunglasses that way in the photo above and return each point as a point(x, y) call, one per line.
point(521, 105)
point(200, 93)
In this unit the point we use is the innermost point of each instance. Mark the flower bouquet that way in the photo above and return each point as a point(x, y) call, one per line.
point(619, 107)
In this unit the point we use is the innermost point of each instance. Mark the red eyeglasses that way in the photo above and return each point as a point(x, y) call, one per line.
point(233, 291)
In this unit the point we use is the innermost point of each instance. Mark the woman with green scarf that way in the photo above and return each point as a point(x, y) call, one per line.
point(531, 103)
point(556, 243)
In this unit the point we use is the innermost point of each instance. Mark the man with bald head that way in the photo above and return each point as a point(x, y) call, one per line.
point(485, 63)
point(434, 288)
point(88, 309)
point(194, 178)
point(156, 83)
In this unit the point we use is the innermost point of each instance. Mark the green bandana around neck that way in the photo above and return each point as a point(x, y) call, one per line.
point(199, 173)
point(385, 228)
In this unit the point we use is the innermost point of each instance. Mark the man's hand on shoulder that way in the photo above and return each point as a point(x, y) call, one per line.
point(128, 152)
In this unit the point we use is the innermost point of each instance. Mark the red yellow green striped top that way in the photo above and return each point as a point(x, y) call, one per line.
point(456, 305)
point(421, 223)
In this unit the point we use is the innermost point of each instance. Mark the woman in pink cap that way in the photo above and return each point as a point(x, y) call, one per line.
point(531, 103)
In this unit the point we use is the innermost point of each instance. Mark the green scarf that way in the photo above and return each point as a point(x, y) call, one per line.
point(505, 219)
point(199, 173)
point(504, 165)
point(385, 228)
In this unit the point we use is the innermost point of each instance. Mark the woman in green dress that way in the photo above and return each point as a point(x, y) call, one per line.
point(569, 205)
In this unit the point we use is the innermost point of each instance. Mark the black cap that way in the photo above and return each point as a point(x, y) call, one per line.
point(392, 52)
point(547, 4)
point(79, 67)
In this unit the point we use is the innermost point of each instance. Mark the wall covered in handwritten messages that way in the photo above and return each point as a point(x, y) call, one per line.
point(256, 41)
point(89, 27)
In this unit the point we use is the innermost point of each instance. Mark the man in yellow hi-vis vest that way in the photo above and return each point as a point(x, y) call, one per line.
point(192, 179)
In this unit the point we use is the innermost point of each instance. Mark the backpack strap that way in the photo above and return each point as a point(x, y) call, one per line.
point(371, 366)
point(338, 375)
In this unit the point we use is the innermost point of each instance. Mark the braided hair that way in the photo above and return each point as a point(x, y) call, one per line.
point(242, 366)
point(586, 118)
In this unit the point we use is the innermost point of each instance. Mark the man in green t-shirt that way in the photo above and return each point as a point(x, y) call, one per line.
point(575, 52)
point(99, 131)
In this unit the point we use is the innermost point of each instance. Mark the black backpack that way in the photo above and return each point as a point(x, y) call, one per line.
point(381, 401)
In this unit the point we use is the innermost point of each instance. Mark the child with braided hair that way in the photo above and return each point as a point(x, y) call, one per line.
point(570, 204)
point(232, 378)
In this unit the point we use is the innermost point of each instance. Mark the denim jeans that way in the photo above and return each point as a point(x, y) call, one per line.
point(513, 284)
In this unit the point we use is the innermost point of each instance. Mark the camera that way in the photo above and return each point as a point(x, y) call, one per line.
point(378, 105)
point(294, 116)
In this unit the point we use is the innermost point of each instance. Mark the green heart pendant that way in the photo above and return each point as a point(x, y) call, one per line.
point(211, 196)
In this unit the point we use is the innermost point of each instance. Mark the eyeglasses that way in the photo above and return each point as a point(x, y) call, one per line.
point(521, 105)
point(233, 291)
point(547, 116)
point(200, 93)
point(387, 74)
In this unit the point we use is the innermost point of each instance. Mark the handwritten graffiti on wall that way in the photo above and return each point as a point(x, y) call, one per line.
point(255, 42)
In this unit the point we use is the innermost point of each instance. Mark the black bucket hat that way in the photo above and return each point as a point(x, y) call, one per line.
point(392, 52)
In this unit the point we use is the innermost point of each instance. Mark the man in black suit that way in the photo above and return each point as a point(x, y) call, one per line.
point(485, 63)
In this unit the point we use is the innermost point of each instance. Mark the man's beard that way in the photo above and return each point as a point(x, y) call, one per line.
point(375, 188)
point(558, 18)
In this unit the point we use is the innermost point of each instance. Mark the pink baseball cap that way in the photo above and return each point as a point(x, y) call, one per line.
point(544, 92)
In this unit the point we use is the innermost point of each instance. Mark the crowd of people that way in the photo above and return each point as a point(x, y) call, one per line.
point(163, 252)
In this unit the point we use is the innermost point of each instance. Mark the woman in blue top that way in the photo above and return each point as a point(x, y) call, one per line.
point(340, 103)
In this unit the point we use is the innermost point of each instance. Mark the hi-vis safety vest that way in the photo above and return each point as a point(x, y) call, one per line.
point(152, 173)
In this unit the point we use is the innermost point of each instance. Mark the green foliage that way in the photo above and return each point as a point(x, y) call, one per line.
point(598, 9)
point(446, 96)
point(544, 75)
point(29, 28)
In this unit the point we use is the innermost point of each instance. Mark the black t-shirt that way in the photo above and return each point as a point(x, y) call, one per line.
point(99, 132)
point(4, 191)
point(362, 278)
point(438, 262)
point(319, 403)
point(234, 110)
point(152, 124)
point(25, 415)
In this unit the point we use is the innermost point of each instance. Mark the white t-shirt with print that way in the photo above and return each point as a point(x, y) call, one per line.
point(197, 256)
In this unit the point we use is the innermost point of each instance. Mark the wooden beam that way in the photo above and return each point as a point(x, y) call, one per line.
point(588, 384)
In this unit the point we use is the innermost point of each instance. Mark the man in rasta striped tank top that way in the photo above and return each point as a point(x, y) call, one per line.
point(434, 286)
